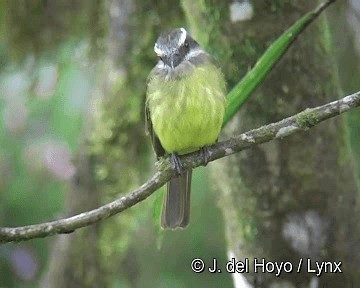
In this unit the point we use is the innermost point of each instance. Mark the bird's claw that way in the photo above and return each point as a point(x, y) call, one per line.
point(205, 154)
point(176, 163)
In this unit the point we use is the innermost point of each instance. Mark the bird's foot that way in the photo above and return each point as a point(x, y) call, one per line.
point(176, 163)
point(205, 154)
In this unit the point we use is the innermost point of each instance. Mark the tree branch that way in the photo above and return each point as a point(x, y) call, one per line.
point(299, 122)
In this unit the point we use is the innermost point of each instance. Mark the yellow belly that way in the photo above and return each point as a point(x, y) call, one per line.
point(187, 113)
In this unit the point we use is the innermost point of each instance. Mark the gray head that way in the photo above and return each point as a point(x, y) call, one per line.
point(175, 46)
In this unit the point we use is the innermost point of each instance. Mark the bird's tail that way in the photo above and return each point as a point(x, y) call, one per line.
point(176, 205)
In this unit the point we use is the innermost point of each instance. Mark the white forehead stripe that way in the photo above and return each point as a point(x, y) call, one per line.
point(182, 37)
point(157, 50)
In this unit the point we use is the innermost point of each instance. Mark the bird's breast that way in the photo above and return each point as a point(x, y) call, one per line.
point(187, 113)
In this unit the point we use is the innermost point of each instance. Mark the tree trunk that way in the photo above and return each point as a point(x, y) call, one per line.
point(293, 198)
point(71, 264)
point(77, 259)
point(117, 152)
point(345, 25)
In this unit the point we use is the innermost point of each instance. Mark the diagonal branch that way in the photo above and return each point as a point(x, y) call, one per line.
point(299, 122)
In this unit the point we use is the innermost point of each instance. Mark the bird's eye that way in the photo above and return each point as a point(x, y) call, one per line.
point(186, 44)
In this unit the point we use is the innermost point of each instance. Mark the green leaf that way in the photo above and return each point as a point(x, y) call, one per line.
point(156, 216)
point(241, 92)
point(158, 205)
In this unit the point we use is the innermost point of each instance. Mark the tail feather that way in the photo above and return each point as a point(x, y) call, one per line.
point(176, 205)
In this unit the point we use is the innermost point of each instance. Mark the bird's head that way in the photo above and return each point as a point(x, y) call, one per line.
point(175, 46)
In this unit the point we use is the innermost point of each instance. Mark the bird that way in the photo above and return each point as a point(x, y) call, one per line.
point(184, 110)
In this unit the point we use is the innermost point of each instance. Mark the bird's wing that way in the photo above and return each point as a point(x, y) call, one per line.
point(159, 150)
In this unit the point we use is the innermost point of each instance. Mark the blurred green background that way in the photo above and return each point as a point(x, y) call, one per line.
point(72, 91)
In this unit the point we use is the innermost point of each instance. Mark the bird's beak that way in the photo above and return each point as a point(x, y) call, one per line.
point(172, 60)
point(175, 59)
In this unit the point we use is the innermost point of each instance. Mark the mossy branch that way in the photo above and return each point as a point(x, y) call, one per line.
point(299, 122)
